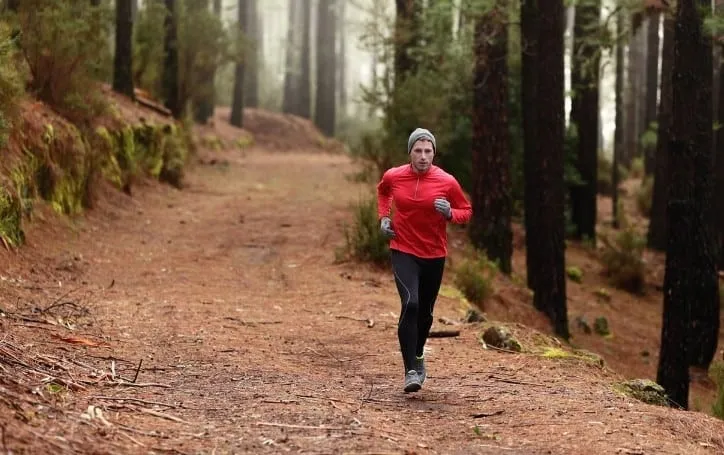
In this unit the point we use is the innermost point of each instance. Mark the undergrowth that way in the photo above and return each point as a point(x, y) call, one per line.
point(364, 241)
point(623, 260)
point(474, 277)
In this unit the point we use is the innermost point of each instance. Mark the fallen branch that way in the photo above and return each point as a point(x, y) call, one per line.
point(140, 384)
point(370, 322)
point(163, 415)
point(134, 400)
point(300, 427)
point(511, 381)
point(444, 333)
point(487, 414)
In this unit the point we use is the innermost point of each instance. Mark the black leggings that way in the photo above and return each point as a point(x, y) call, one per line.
point(418, 282)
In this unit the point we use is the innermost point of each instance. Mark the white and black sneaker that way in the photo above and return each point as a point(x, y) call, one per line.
point(412, 381)
point(420, 368)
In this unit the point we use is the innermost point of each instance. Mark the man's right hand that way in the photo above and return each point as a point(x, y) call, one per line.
point(386, 227)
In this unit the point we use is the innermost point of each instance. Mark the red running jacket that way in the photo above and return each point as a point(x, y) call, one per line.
point(419, 228)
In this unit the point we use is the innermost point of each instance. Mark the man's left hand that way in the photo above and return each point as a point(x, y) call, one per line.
point(443, 206)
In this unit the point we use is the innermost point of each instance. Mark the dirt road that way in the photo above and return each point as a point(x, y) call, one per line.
point(254, 340)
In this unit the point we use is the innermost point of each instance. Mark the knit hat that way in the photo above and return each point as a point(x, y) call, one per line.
point(420, 133)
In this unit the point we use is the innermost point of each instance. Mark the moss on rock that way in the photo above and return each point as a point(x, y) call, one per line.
point(643, 390)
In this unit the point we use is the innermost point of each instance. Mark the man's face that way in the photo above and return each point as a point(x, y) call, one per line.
point(421, 155)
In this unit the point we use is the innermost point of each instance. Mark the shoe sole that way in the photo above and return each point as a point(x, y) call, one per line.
point(414, 387)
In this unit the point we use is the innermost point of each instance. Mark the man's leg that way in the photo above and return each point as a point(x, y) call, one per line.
point(430, 280)
point(406, 272)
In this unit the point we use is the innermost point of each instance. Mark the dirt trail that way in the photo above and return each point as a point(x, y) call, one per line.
point(229, 293)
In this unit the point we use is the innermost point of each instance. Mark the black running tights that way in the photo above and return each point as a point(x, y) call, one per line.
point(418, 282)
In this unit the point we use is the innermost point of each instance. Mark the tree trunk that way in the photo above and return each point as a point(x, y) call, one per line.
point(305, 71)
point(719, 173)
point(690, 283)
point(237, 103)
point(632, 93)
point(325, 99)
point(619, 134)
point(123, 60)
point(251, 81)
point(490, 229)
point(657, 232)
point(584, 114)
point(13, 5)
point(291, 78)
point(170, 67)
point(652, 84)
point(550, 291)
point(407, 31)
point(530, 30)
point(342, 60)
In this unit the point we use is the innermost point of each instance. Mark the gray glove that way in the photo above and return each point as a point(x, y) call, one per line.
point(386, 227)
point(443, 206)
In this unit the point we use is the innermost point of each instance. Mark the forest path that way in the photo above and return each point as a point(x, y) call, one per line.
point(229, 292)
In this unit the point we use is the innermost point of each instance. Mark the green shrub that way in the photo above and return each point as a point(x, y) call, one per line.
point(11, 82)
point(644, 196)
point(363, 240)
point(637, 168)
point(623, 260)
point(474, 277)
point(66, 47)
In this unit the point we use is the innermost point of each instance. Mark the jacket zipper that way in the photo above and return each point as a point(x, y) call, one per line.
point(416, 185)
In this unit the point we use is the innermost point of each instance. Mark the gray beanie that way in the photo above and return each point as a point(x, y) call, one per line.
point(420, 133)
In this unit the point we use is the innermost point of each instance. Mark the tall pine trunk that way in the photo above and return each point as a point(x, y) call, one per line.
point(123, 59)
point(170, 66)
point(490, 229)
point(237, 103)
point(585, 115)
point(251, 81)
point(719, 173)
point(291, 68)
point(690, 282)
point(325, 97)
point(619, 134)
point(657, 232)
point(305, 65)
point(530, 30)
point(407, 31)
point(342, 60)
point(652, 84)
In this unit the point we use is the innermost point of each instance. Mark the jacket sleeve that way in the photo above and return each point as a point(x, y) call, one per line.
point(384, 196)
point(461, 209)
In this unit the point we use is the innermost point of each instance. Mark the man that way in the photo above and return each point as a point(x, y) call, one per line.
point(426, 198)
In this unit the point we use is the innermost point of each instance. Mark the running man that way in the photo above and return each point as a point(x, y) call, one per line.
point(426, 198)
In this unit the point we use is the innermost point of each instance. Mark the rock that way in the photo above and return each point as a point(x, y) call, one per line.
point(474, 315)
point(600, 325)
point(574, 273)
point(583, 324)
point(646, 391)
point(499, 337)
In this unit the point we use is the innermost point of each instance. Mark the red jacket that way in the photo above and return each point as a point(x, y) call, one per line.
point(419, 228)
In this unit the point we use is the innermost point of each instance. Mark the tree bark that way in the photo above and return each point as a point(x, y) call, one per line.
point(291, 68)
point(690, 283)
point(584, 114)
point(342, 59)
point(657, 232)
point(325, 99)
point(530, 30)
point(490, 229)
point(305, 71)
point(237, 104)
point(652, 84)
point(719, 173)
point(251, 82)
point(123, 59)
point(619, 134)
point(407, 31)
point(171, 61)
